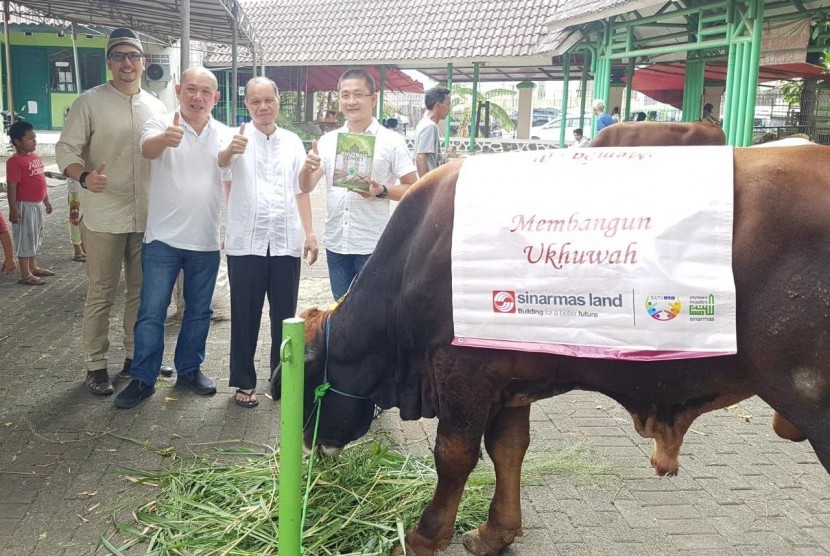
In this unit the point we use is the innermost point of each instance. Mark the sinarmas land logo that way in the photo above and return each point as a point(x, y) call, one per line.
point(504, 301)
point(663, 307)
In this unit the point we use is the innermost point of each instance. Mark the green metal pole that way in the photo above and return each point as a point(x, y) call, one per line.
point(474, 112)
point(754, 57)
point(583, 88)
point(731, 90)
point(228, 99)
point(447, 128)
point(380, 91)
point(292, 355)
point(743, 96)
point(734, 103)
point(693, 89)
point(566, 80)
point(629, 83)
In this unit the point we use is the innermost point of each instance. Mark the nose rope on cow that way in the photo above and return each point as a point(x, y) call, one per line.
point(319, 393)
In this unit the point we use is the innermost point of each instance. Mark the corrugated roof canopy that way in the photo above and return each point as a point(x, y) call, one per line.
point(210, 20)
point(504, 36)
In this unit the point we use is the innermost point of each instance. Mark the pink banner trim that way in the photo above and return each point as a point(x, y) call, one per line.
point(587, 351)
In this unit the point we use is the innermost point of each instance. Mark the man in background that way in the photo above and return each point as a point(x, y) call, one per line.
point(603, 119)
point(579, 139)
point(427, 138)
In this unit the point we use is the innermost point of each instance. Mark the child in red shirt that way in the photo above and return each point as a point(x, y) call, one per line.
point(26, 192)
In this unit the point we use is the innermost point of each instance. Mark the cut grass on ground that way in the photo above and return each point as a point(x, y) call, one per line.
point(360, 502)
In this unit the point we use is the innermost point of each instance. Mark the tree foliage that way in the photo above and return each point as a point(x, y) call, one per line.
point(462, 107)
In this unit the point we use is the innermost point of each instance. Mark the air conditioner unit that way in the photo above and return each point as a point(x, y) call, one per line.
point(158, 72)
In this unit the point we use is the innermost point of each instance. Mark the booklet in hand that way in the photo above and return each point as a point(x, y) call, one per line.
point(353, 160)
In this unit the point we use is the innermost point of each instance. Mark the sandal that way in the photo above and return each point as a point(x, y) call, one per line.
point(250, 403)
point(31, 280)
point(79, 258)
point(42, 272)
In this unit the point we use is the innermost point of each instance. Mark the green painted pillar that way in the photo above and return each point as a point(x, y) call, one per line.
point(632, 65)
point(583, 88)
point(743, 96)
point(729, 105)
point(292, 358)
point(380, 91)
point(566, 82)
point(693, 88)
point(228, 99)
point(756, 16)
point(447, 127)
point(474, 111)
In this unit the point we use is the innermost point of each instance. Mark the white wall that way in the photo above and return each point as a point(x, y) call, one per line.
point(164, 90)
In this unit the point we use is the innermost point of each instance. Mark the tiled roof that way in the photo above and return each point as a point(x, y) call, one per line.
point(337, 32)
point(573, 12)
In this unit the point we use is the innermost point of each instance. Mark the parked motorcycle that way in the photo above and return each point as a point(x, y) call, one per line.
point(7, 121)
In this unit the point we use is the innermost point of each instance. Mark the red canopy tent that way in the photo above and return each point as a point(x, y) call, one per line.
point(664, 82)
point(324, 78)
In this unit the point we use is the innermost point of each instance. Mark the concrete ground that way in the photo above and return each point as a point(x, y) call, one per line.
point(64, 453)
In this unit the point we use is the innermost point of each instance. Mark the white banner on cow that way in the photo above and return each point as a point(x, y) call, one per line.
point(613, 253)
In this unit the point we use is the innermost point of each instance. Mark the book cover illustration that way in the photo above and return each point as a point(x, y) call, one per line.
point(353, 160)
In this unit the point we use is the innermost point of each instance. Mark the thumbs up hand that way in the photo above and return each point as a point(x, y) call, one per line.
point(96, 181)
point(312, 161)
point(239, 142)
point(174, 134)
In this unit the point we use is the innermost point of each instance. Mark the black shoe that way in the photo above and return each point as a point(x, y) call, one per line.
point(135, 392)
point(276, 383)
point(128, 363)
point(98, 382)
point(197, 382)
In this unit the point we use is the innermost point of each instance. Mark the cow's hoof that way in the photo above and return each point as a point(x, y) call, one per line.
point(665, 469)
point(484, 542)
point(420, 545)
point(398, 551)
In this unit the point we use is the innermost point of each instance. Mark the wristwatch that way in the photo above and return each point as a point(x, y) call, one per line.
point(384, 193)
point(82, 179)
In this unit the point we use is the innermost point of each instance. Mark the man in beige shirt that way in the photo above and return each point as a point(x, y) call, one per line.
point(99, 147)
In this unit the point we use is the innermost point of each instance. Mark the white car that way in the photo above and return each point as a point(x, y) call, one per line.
point(550, 130)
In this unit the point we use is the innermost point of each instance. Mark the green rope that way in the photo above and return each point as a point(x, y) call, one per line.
point(319, 392)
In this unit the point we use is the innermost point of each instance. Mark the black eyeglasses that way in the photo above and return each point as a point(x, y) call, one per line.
point(121, 56)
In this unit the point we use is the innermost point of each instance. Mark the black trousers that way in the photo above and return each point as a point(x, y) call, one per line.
point(251, 277)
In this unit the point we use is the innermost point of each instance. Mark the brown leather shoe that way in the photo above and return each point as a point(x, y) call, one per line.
point(98, 382)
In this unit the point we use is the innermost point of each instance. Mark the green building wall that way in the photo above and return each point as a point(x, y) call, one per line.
point(47, 38)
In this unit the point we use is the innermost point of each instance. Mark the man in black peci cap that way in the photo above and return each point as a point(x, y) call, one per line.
point(99, 147)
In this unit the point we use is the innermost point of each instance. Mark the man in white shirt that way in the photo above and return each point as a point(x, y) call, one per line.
point(269, 226)
point(356, 218)
point(182, 235)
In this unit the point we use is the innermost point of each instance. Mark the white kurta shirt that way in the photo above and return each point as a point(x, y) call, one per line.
point(186, 187)
point(354, 224)
point(262, 207)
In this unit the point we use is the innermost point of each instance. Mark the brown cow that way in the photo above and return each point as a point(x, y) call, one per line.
point(389, 343)
point(655, 134)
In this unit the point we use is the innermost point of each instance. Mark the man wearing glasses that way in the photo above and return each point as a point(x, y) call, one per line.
point(356, 218)
point(99, 147)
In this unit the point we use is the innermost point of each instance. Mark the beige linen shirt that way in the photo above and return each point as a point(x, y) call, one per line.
point(104, 125)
